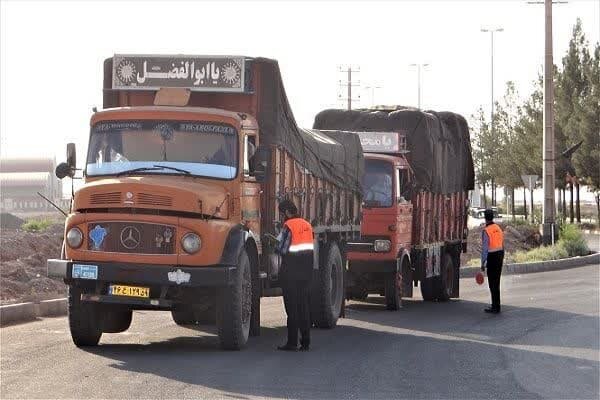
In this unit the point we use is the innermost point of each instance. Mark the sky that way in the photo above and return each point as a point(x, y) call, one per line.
point(51, 53)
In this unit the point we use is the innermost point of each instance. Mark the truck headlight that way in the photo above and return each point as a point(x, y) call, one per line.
point(191, 243)
point(74, 238)
point(382, 246)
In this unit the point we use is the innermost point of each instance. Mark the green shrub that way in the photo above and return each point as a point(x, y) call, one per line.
point(36, 225)
point(573, 241)
point(544, 253)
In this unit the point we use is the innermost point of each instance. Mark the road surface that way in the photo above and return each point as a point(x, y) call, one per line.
point(544, 345)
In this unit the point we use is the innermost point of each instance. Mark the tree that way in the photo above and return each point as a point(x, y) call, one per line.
point(587, 159)
point(481, 143)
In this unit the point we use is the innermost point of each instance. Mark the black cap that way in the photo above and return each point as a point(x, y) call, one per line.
point(488, 214)
point(288, 205)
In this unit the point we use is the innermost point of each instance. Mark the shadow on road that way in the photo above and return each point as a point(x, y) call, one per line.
point(426, 350)
point(464, 318)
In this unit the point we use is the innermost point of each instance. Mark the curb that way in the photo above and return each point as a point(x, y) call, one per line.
point(24, 312)
point(542, 266)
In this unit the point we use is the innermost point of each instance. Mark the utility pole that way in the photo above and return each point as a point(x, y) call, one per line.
point(548, 171)
point(349, 84)
point(492, 31)
point(419, 66)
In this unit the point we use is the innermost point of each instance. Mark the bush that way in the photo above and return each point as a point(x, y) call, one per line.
point(36, 225)
point(573, 241)
point(546, 253)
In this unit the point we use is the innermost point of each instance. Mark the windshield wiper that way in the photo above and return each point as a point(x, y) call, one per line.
point(153, 168)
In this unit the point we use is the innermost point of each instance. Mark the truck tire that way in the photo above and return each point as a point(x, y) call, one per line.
point(83, 319)
point(328, 290)
point(393, 293)
point(428, 291)
point(445, 286)
point(255, 306)
point(234, 308)
point(190, 315)
point(407, 278)
point(116, 321)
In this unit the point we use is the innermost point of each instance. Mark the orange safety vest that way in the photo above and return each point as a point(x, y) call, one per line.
point(496, 237)
point(302, 235)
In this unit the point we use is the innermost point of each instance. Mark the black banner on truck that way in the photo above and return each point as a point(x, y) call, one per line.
point(197, 73)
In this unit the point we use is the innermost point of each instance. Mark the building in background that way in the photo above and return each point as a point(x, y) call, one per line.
point(22, 178)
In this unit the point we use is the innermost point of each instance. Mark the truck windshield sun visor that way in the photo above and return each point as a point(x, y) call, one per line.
point(207, 149)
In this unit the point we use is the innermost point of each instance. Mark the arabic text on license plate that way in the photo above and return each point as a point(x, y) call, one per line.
point(131, 291)
point(83, 271)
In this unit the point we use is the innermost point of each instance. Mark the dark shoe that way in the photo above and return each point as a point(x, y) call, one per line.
point(287, 347)
point(492, 310)
point(304, 348)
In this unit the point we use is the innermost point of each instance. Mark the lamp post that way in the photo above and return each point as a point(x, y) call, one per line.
point(419, 66)
point(492, 31)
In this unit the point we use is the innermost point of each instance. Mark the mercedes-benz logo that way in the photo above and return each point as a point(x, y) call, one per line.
point(130, 237)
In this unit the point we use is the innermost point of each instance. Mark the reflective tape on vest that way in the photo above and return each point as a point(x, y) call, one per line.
point(296, 248)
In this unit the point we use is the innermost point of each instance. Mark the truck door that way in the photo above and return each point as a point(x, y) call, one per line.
point(404, 203)
point(250, 194)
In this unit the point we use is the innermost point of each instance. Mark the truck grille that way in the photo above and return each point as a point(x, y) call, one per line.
point(105, 198)
point(129, 237)
point(154, 200)
point(365, 244)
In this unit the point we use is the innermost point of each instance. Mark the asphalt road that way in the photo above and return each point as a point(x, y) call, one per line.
point(544, 345)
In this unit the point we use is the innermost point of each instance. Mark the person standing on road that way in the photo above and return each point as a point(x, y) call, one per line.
point(492, 257)
point(295, 245)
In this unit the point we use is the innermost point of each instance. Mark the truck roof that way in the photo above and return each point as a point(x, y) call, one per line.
point(109, 113)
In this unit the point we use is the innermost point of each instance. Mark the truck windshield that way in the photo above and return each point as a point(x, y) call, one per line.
point(377, 184)
point(163, 147)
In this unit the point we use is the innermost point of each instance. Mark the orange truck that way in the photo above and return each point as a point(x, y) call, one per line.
point(418, 170)
point(185, 167)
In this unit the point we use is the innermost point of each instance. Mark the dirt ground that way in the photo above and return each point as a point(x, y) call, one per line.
point(516, 238)
point(23, 275)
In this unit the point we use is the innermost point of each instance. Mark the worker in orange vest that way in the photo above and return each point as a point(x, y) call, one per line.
point(492, 257)
point(295, 244)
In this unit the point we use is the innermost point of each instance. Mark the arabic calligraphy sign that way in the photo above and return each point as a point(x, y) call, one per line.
point(197, 73)
point(385, 142)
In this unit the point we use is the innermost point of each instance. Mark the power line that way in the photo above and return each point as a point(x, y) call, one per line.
point(349, 85)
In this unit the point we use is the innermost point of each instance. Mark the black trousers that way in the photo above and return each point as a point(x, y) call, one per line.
point(494, 271)
point(296, 297)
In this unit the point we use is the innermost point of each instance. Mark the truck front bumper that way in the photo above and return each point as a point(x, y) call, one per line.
point(144, 274)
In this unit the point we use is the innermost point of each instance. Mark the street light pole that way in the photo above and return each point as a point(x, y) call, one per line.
point(491, 31)
point(419, 82)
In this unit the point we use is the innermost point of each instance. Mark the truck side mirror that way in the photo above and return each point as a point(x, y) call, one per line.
point(71, 157)
point(62, 170)
point(260, 162)
point(67, 168)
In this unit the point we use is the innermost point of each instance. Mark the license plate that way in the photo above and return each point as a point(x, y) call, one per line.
point(84, 271)
point(131, 291)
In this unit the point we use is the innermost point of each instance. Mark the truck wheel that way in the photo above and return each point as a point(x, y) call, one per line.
point(446, 280)
point(407, 279)
point(255, 306)
point(83, 319)
point(116, 321)
point(428, 289)
point(234, 308)
point(393, 294)
point(328, 290)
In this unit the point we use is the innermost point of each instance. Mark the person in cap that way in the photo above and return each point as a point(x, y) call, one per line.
point(492, 257)
point(295, 244)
